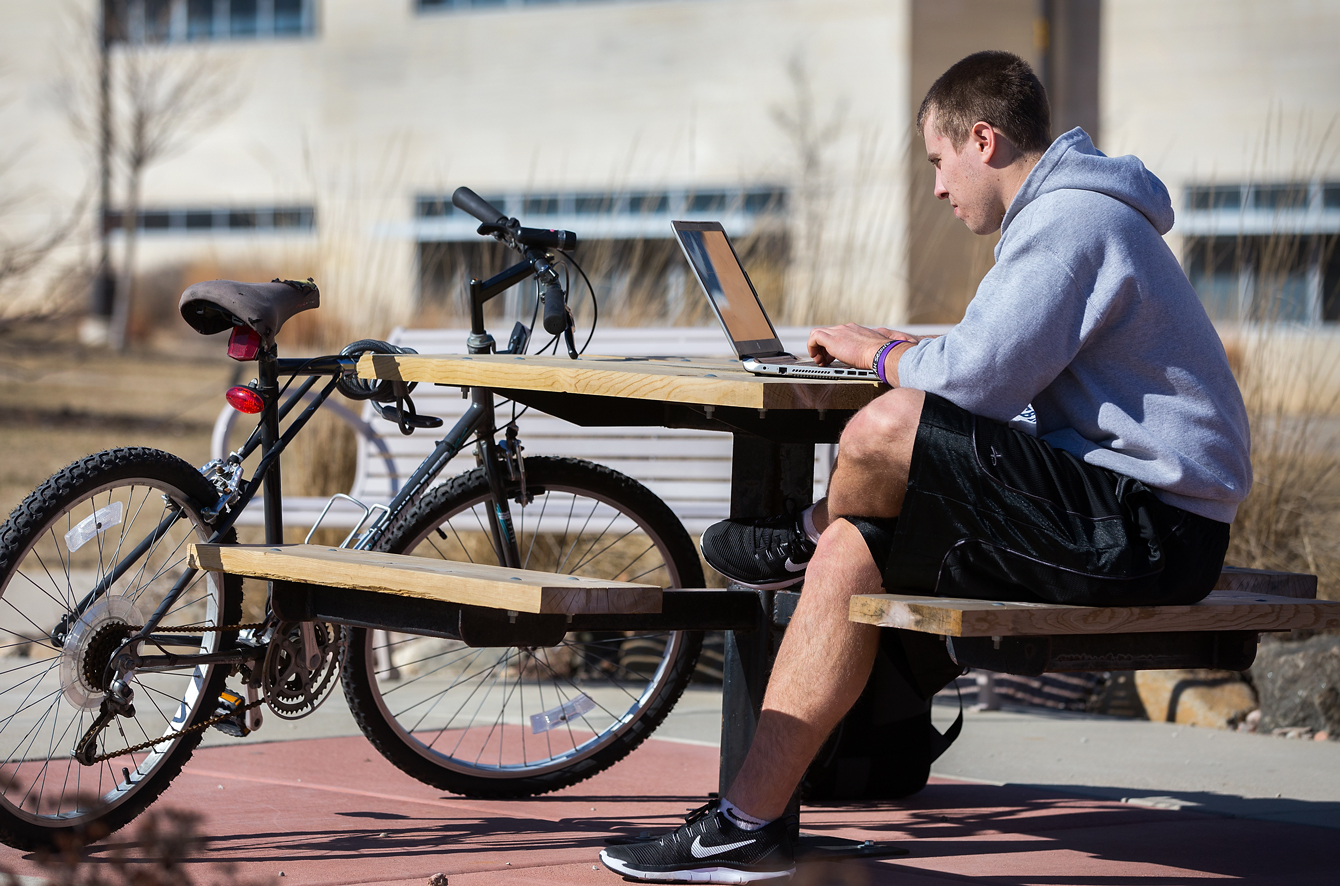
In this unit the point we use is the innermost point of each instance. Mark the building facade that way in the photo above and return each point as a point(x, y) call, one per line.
point(340, 128)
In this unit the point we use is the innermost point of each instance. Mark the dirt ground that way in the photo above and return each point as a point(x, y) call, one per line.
point(60, 401)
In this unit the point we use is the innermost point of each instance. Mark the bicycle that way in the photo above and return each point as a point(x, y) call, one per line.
point(116, 656)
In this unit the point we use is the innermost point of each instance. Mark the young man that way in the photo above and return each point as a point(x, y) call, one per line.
point(1122, 495)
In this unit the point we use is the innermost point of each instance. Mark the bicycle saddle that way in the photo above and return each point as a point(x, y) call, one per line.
point(216, 305)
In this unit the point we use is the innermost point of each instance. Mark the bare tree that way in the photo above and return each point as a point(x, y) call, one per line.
point(156, 100)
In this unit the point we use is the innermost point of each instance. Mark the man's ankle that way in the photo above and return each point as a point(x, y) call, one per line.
point(814, 519)
point(742, 819)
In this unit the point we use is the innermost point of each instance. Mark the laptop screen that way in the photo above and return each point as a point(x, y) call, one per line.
point(728, 288)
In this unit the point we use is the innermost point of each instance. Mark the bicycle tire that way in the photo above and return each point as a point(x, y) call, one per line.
point(50, 691)
point(651, 669)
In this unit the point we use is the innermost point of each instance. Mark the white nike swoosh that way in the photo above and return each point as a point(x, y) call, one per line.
point(794, 567)
point(701, 851)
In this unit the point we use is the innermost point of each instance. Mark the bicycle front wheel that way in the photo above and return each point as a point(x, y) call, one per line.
point(517, 721)
point(120, 521)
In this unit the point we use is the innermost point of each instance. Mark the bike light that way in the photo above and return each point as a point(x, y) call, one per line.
point(245, 400)
point(244, 344)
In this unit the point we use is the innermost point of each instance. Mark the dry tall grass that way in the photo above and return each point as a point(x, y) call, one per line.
point(1290, 521)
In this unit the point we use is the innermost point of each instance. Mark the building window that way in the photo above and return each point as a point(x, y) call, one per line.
point(633, 214)
point(178, 21)
point(211, 221)
point(625, 243)
point(1264, 252)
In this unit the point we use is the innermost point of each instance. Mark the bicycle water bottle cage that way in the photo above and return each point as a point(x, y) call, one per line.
point(218, 305)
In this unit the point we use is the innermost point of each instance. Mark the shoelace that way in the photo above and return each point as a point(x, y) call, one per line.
point(702, 811)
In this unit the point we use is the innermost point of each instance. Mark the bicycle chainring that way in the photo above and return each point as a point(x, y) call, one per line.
point(292, 689)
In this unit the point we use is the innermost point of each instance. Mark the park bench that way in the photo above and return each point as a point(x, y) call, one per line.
point(1030, 639)
point(444, 598)
point(689, 469)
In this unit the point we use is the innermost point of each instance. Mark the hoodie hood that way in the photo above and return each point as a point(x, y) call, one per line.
point(1073, 163)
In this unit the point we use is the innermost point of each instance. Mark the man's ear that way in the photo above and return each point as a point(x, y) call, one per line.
point(984, 140)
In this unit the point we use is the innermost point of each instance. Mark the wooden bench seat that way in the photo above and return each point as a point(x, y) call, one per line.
point(446, 581)
point(478, 604)
point(1033, 638)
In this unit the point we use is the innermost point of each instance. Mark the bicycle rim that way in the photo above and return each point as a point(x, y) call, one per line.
point(519, 713)
point(69, 537)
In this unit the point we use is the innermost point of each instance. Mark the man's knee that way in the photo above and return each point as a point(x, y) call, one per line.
point(884, 429)
point(842, 567)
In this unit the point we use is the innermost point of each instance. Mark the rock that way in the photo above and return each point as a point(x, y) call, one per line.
point(1216, 699)
point(1299, 684)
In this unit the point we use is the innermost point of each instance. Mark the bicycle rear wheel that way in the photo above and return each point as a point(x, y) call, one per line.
point(516, 721)
point(75, 531)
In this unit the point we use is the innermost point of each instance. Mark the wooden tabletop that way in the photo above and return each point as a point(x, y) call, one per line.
point(695, 380)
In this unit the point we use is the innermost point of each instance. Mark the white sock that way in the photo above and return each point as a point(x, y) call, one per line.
point(741, 819)
point(807, 523)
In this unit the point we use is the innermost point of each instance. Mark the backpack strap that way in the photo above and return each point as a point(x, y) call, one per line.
point(940, 741)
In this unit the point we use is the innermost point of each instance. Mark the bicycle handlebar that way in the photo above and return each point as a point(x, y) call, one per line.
point(465, 199)
point(555, 309)
point(533, 243)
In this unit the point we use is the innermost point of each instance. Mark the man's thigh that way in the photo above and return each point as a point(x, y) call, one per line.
point(993, 513)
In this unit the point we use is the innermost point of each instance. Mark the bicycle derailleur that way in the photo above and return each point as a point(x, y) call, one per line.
point(291, 667)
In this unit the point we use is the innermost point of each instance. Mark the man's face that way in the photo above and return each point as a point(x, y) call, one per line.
point(961, 178)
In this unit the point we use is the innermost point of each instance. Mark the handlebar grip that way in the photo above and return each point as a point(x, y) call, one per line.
point(555, 311)
point(469, 201)
point(546, 239)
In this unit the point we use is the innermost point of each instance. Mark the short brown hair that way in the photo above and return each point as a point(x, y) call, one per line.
point(993, 87)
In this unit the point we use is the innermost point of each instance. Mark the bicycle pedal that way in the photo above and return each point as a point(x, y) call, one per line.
point(235, 725)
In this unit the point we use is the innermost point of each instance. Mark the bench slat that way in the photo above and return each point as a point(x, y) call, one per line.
point(1221, 611)
point(1263, 581)
point(495, 587)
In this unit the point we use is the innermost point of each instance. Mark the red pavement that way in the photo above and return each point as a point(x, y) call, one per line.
point(332, 811)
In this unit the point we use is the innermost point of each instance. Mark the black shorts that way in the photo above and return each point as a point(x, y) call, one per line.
point(994, 513)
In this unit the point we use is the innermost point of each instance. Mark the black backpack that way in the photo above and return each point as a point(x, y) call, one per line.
point(883, 749)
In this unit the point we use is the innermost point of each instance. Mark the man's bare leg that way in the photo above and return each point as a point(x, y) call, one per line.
point(820, 670)
point(870, 477)
point(825, 660)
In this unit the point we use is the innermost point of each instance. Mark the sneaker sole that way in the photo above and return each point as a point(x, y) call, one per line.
point(769, 585)
point(694, 875)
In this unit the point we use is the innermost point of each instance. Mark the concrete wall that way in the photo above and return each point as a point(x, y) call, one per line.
point(1229, 90)
point(947, 261)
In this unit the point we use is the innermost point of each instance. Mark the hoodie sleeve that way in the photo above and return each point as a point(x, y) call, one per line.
point(1021, 330)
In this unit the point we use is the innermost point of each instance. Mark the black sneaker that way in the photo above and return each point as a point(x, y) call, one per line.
point(768, 553)
point(708, 848)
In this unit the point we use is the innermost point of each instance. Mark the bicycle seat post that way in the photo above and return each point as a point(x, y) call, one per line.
point(267, 365)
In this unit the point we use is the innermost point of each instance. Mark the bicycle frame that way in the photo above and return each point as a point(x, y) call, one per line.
point(268, 437)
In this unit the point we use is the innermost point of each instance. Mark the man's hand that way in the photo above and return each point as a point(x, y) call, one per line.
point(854, 345)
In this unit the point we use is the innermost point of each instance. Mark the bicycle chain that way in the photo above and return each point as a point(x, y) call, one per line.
point(144, 745)
point(198, 727)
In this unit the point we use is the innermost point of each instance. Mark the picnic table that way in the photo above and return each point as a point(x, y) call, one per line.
point(775, 424)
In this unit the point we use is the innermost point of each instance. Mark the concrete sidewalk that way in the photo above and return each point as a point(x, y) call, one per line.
point(1022, 798)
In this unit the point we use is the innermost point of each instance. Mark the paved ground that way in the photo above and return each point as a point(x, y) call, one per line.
point(1023, 798)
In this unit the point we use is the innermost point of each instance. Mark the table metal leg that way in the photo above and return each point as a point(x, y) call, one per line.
point(764, 475)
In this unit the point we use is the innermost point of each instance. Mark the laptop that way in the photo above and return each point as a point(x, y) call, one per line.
point(736, 304)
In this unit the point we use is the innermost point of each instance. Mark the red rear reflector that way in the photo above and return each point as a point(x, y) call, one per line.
point(245, 400)
point(244, 343)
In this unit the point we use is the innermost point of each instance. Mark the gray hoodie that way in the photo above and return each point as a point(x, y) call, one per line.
point(1088, 316)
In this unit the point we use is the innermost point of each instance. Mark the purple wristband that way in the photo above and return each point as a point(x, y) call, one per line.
point(884, 352)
